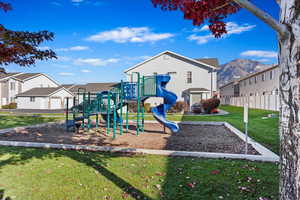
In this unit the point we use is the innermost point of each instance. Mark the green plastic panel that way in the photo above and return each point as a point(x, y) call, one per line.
point(149, 86)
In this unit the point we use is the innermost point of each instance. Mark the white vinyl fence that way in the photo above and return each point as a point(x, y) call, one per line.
point(267, 102)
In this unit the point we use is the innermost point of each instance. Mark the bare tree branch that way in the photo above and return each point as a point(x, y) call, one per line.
point(268, 19)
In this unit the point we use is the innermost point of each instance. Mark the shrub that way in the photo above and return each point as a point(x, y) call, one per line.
point(211, 104)
point(132, 107)
point(147, 107)
point(178, 107)
point(10, 106)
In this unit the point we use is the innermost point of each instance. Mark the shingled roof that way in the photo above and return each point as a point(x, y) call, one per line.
point(93, 87)
point(25, 76)
point(210, 61)
point(6, 75)
point(39, 92)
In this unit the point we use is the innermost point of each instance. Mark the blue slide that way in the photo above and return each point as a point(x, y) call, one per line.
point(170, 98)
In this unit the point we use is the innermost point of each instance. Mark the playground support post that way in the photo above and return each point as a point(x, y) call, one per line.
point(127, 110)
point(121, 109)
point(74, 102)
point(67, 112)
point(143, 116)
point(138, 103)
point(115, 121)
point(83, 110)
point(108, 114)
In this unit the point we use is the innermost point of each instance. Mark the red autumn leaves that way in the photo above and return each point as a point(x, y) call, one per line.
point(199, 11)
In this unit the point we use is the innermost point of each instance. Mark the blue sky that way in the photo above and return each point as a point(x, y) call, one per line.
point(96, 40)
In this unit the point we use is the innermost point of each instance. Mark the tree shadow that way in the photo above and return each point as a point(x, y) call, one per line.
point(2, 196)
point(20, 156)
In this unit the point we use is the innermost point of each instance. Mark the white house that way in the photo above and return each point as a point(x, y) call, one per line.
point(12, 84)
point(191, 79)
point(44, 98)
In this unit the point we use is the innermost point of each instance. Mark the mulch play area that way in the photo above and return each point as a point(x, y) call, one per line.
point(201, 138)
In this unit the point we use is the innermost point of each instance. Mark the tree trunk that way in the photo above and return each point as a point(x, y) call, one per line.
point(289, 61)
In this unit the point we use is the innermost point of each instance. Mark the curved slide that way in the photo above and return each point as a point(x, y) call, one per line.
point(170, 98)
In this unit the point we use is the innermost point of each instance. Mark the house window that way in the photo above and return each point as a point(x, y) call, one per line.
point(245, 83)
point(263, 77)
point(255, 79)
point(189, 77)
point(271, 75)
point(32, 99)
point(250, 81)
point(12, 99)
point(172, 73)
point(13, 86)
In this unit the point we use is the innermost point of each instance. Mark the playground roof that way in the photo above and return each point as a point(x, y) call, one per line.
point(211, 63)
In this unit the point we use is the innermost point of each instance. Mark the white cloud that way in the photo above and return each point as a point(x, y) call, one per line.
point(200, 39)
point(137, 58)
point(127, 34)
point(95, 61)
point(44, 48)
point(55, 3)
point(263, 60)
point(75, 48)
point(259, 53)
point(231, 27)
point(65, 74)
point(63, 58)
point(86, 71)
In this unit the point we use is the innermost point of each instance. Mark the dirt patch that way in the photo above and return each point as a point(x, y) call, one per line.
point(204, 138)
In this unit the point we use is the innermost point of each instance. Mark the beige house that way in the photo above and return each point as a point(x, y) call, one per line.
point(260, 90)
point(191, 79)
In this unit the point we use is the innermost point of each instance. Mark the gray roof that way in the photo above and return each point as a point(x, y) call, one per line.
point(67, 86)
point(5, 75)
point(26, 76)
point(93, 87)
point(39, 92)
point(210, 61)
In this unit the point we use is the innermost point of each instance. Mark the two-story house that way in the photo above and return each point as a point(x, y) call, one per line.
point(12, 84)
point(259, 89)
point(191, 79)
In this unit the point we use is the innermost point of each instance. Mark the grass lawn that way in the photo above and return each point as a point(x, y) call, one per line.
point(14, 121)
point(36, 174)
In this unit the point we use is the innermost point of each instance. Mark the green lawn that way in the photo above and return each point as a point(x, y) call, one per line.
point(36, 174)
point(28, 173)
point(14, 121)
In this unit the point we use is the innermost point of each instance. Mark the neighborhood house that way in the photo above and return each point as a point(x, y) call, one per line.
point(191, 79)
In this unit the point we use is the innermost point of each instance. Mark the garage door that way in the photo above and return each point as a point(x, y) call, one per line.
point(55, 103)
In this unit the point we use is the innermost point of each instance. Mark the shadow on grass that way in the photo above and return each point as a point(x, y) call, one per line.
point(21, 156)
point(2, 195)
point(15, 121)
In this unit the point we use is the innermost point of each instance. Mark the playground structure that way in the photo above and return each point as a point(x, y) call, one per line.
point(110, 104)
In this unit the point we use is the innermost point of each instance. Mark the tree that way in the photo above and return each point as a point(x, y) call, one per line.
point(288, 30)
point(22, 47)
